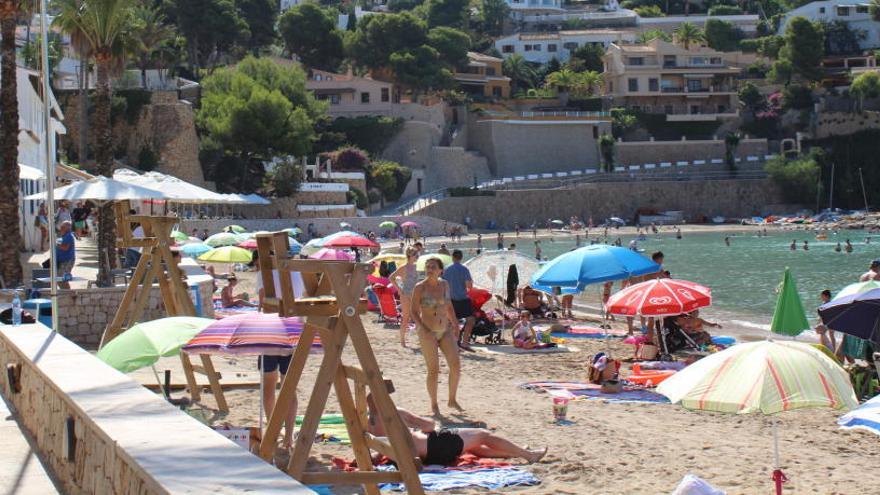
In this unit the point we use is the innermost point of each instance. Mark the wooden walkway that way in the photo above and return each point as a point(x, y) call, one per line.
point(21, 471)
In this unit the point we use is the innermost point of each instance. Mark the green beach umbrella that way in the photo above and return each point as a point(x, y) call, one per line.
point(224, 239)
point(789, 317)
point(228, 254)
point(293, 231)
point(179, 236)
point(143, 344)
point(387, 225)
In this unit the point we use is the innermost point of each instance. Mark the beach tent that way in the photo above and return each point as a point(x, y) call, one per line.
point(173, 188)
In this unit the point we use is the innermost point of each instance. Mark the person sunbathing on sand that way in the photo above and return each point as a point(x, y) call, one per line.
point(444, 446)
point(229, 299)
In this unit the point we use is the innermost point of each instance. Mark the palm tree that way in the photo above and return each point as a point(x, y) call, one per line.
point(149, 36)
point(10, 266)
point(519, 71)
point(874, 8)
point(591, 81)
point(731, 141)
point(688, 33)
point(105, 26)
point(563, 80)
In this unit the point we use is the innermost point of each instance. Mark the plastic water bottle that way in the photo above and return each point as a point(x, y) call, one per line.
point(16, 310)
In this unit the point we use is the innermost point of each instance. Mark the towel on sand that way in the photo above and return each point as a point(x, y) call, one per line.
point(221, 312)
point(331, 428)
point(511, 349)
point(591, 391)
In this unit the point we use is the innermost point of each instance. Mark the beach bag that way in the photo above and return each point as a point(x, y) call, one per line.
point(647, 352)
point(602, 368)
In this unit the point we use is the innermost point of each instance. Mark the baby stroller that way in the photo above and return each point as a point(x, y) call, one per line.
point(483, 326)
point(673, 338)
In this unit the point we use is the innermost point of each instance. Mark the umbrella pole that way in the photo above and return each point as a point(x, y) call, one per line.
point(261, 395)
point(161, 386)
point(779, 477)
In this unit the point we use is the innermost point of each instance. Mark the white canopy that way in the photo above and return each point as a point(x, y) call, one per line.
point(101, 189)
point(489, 269)
point(173, 188)
point(26, 172)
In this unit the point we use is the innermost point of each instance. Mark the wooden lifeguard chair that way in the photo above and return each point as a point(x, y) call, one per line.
point(332, 307)
point(157, 263)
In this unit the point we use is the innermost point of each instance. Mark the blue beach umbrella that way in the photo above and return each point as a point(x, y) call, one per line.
point(857, 315)
point(195, 250)
point(593, 264)
point(865, 417)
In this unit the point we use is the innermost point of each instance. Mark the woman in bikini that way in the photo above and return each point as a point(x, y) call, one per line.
point(405, 279)
point(434, 316)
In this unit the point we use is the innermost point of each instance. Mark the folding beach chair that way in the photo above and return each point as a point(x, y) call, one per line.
point(388, 310)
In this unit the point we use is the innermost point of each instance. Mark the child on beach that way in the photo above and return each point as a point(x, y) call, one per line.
point(524, 335)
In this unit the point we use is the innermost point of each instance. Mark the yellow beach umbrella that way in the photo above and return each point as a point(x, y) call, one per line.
point(764, 377)
point(444, 258)
point(227, 254)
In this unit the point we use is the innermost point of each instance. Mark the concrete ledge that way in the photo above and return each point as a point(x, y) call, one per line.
point(127, 439)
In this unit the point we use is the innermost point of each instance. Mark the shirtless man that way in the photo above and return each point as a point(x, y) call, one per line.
point(873, 272)
point(444, 446)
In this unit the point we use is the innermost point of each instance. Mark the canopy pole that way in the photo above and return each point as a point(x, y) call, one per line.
point(50, 160)
point(775, 444)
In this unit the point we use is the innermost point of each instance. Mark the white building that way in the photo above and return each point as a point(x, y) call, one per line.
point(856, 13)
point(31, 147)
point(543, 47)
point(286, 4)
point(520, 5)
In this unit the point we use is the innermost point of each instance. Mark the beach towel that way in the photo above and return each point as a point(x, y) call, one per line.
point(455, 479)
point(331, 428)
point(592, 391)
point(584, 332)
point(220, 312)
point(511, 349)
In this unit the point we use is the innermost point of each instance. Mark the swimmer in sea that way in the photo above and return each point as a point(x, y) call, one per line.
point(806, 246)
point(793, 246)
point(837, 248)
point(727, 241)
point(849, 247)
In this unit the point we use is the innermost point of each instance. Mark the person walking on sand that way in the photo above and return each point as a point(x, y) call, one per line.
point(405, 279)
point(826, 335)
point(435, 319)
point(460, 283)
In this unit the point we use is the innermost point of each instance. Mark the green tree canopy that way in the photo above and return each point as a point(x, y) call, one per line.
point(210, 26)
point(311, 33)
point(391, 178)
point(256, 111)
point(451, 44)
point(493, 13)
point(804, 48)
point(797, 179)
point(378, 36)
point(866, 85)
point(722, 35)
point(420, 68)
point(687, 34)
point(653, 34)
point(587, 57)
point(452, 13)
point(260, 17)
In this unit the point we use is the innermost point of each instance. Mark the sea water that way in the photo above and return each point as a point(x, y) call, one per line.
point(744, 276)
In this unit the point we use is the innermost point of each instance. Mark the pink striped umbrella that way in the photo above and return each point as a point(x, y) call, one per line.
point(249, 334)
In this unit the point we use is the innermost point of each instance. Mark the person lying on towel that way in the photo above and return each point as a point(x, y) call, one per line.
point(445, 445)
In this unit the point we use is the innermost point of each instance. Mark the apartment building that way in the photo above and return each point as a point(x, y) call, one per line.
point(540, 48)
point(350, 95)
point(855, 13)
point(483, 77)
point(697, 84)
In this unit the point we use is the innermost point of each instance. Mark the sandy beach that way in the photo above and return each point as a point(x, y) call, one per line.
point(607, 447)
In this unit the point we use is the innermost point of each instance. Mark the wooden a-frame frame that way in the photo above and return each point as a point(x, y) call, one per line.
point(157, 263)
point(332, 307)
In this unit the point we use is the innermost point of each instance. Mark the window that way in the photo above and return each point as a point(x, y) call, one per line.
point(722, 109)
point(506, 48)
point(669, 61)
point(694, 85)
point(496, 91)
point(715, 60)
point(695, 110)
point(668, 110)
point(842, 11)
point(570, 45)
point(653, 84)
point(699, 60)
point(636, 60)
point(365, 97)
point(334, 99)
point(821, 10)
point(551, 47)
point(861, 9)
point(490, 71)
point(385, 95)
point(633, 84)
point(537, 48)
point(635, 108)
point(527, 48)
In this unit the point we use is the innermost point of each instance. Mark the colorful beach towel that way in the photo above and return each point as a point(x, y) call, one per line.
point(331, 428)
point(584, 332)
point(220, 312)
point(591, 391)
point(511, 349)
point(456, 479)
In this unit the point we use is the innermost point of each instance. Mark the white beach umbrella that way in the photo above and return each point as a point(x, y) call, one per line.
point(101, 189)
point(489, 269)
point(174, 189)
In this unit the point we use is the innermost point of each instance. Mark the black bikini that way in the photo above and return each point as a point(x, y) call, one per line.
point(444, 447)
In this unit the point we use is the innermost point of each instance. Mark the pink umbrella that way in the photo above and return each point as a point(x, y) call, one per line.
point(248, 244)
point(332, 254)
point(409, 224)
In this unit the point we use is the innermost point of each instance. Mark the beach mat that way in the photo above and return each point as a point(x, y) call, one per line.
point(585, 332)
point(220, 312)
point(331, 428)
point(511, 349)
point(592, 391)
point(446, 479)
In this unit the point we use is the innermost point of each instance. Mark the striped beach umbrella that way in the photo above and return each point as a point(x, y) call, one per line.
point(659, 297)
point(249, 334)
point(766, 377)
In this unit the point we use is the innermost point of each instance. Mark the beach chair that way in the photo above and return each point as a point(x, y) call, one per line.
point(388, 310)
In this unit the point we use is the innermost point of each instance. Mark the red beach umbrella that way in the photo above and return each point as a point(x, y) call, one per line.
point(349, 241)
point(659, 297)
point(248, 244)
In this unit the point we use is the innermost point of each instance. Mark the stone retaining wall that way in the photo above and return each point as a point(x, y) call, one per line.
point(829, 124)
point(730, 198)
point(427, 225)
point(640, 152)
point(125, 439)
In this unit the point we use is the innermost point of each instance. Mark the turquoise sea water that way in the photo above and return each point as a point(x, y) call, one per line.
point(744, 276)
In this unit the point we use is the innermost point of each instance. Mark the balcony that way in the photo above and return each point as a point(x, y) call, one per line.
point(700, 117)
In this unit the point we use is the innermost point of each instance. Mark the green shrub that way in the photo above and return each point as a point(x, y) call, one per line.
point(797, 97)
point(390, 178)
point(725, 10)
point(368, 133)
point(357, 197)
point(798, 179)
point(147, 159)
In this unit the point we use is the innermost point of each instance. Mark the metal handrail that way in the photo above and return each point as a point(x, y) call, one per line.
point(422, 201)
